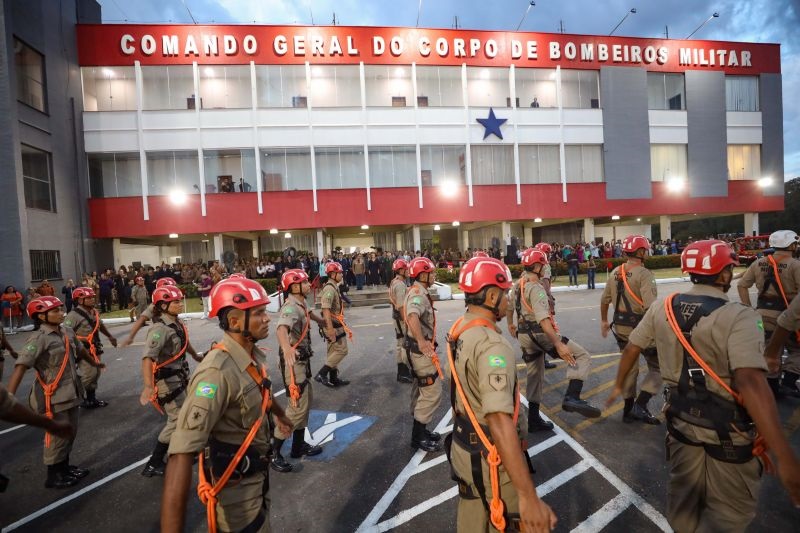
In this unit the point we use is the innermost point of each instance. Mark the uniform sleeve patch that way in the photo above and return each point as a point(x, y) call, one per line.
point(206, 390)
point(30, 347)
point(760, 324)
point(497, 361)
point(287, 311)
point(68, 322)
point(498, 382)
point(197, 417)
point(416, 300)
point(156, 336)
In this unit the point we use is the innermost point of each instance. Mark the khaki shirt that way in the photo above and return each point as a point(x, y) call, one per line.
point(80, 325)
point(7, 401)
point(398, 290)
point(788, 270)
point(534, 291)
point(790, 319)
point(44, 352)
point(729, 338)
point(162, 344)
point(642, 283)
point(222, 401)
point(418, 302)
point(294, 315)
point(148, 312)
point(139, 295)
point(331, 299)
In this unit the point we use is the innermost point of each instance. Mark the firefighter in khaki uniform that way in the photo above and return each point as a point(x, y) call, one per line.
point(546, 281)
point(335, 331)
point(777, 278)
point(709, 350)
point(538, 338)
point(86, 323)
point(144, 309)
point(397, 297)
point(485, 399)
point(52, 351)
point(225, 419)
point(295, 360)
point(631, 293)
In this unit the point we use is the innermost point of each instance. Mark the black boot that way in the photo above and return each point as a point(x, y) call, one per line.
point(155, 466)
point(74, 471)
point(300, 447)
point(432, 435)
point(548, 364)
point(58, 476)
point(419, 441)
point(535, 421)
point(789, 384)
point(91, 401)
point(573, 403)
point(403, 373)
point(279, 464)
point(335, 378)
point(626, 411)
point(322, 376)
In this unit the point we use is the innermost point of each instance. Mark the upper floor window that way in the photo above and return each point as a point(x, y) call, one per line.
point(285, 169)
point(171, 173)
point(29, 70)
point(439, 87)
point(225, 87)
point(665, 91)
point(37, 176)
point(741, 93)
point(744, 161)
point(281, 86)
point(668, 162)
point(168, 88)
point(580, 89)
point(109, 88)
point(335, 86)
point(392, 166)
point(487, 87)
point(539, 163)
point(229, 170)
point(389, 86)
point(112, 175)
point(340, 167)
point(45, 264)
point(536, 87)
point(443, 165)
point(492, 164)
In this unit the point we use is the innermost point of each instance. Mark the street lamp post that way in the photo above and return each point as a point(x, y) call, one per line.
point(530, 5)
point(713, 16)
point(629, 13)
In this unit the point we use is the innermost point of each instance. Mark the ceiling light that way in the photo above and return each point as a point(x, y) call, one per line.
point(173, 235)
point(204, 240)
point(399, 72)
point(485, 74)
point(108, 73)
point(437, 227)
point(209, 72)
point(764, 182)
point(638, 220)
point(362, 233)
point(537, 220)
point(456, 223)
point(273, 231)
point(364, 226)
point(287, 235)
point(615, 217)
point(177, 197)
point(676, 184)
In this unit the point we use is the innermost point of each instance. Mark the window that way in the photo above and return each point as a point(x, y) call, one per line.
point(109, 88)
point(487, 87)
point(335, 86)
point(741, 93)
point(492, 164)
point(439, 87)
point(168, 88)
point(668, 161)
point(45, 264)
point(536, 87)
point(580, 89)
point(281, 86)
point(229, 170)
point(392, 166)
point(744, 161)
point(389, 86)
point(114, 175)
point(172, 172)
point(29, 70)
point(340, 167)
point(665, 91)
point(285, 169)
point(225, 87)
point(37, 176)
point(443, 165)
point(539, 163)
point(584, 163)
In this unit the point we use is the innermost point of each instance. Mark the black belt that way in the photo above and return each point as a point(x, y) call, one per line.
point(220, 454)
point(727, 453)
point(770, 304)
point(625, 318)
point(164, 373)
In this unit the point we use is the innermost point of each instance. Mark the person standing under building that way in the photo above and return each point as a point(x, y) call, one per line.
point(204, 291)
point(66, 290)
point(139, 299)
point(486, 437)
point(5, 345)
point(359, 269)
point(397, 297)
point(335, 330)
point(226, 421)
point(632, 291)
point(720, 413)
point(85, 322)
point(420, 344)
point(52, 351)
point(777, 278)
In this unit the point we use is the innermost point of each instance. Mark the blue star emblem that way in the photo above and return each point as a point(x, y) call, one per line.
point(492, 125)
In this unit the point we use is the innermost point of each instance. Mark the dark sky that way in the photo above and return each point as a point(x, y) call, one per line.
point(768, 21)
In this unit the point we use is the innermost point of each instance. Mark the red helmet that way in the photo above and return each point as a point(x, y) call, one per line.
point(631, 243)
point(531, 256)
point(544, 247)
point(707, 257)
point(332, 267)
point(82, 292)
point(42, 304)
point(166, 282)
point(237, 292)
point(292, 276)
point(399, 264)
point(418, 265)
point(138, 279)
point(167, 294)
point(237, 275)
point(480, 272)
point(480, 253)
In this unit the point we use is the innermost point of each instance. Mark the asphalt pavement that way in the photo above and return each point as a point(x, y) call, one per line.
point(597, 474)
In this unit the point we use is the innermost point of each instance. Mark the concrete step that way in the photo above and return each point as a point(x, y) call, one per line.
point(371, 297)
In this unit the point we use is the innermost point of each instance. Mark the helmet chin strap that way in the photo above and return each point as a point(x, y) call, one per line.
point(495, 309)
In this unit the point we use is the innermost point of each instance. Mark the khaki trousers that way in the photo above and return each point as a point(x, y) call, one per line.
point(171, 409)
point(474, 518)
point(534, 375)
point(89, 375)
point(297, 415)
point(336, 352)
point(240, 504)
point(424, 400)
point(60, 449)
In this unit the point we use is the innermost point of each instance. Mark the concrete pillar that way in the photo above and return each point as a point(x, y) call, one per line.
point(588, 229)
point(506, 230)
point(665, 225)
point(528, 236)
point(116, 247)
point(256, 253)
point(398, 240)
point(417, 239)
point(750, 224)
point(321, 243)
point(218, 247)
point(464, 239)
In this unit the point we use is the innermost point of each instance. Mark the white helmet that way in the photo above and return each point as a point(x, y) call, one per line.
point(782, 238)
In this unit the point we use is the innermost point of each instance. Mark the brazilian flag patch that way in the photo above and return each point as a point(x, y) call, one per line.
point(206, 390)
point(497, 361)
point(760, 324)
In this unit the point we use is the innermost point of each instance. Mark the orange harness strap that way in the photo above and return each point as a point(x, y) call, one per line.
point(434, 357)
point(496, 505)
point(780, 286)
point(157, 367)
point(628, 287)
point(759, 444)
point(205, 490)
point(90, 337)
point(50, 388)
point(294, 390)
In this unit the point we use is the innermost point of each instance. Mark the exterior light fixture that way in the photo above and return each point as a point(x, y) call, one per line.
point(456, 223)
point(287, 235)
point(364, 226)
point(764, 182)
point(537, 220)
point(449, 188)
point(676, 184)
point(273, 231)
point(638, 220)
point(173, 235)
point(615, 217)
point(437, 227)
point(177, 197)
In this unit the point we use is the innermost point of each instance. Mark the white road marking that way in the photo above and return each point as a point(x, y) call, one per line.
point(13, 428)
point(604, 515)
point(325, 433)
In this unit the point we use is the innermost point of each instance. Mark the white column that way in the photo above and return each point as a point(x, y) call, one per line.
point(198, 104)
point(218, 247)
point(398, 240)
point(417, 239)
point(320, 243)
point(140, 139)
point(528, 237)
point(254, 120)
point(588, 229)
point(750, 224)
point(255, 249)
point(464, 240)
point(506, 230)
point(116, 247)
point(665, 226)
